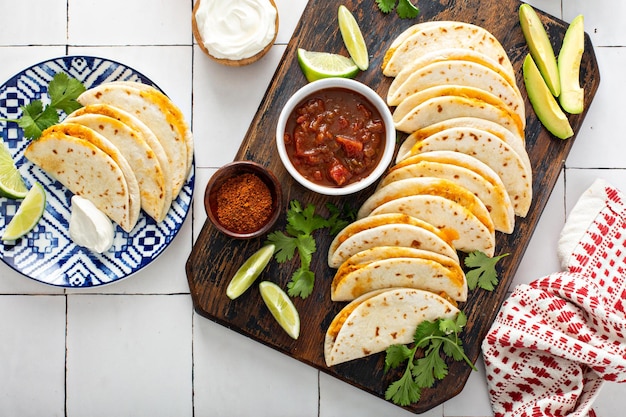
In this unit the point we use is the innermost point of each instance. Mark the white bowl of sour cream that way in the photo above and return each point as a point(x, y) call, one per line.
point(235, 32)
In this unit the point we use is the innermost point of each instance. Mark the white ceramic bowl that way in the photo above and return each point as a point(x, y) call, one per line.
point(374, 98)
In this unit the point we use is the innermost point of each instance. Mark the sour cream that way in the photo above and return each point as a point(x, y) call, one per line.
point(236, 29)
point(90, 227)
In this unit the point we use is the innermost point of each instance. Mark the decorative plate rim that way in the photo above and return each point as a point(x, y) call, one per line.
point(47, 254)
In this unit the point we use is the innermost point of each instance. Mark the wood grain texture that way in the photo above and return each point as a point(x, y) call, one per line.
point(215, 258)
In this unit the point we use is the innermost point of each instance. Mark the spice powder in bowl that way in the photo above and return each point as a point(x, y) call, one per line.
point(244, 203)
point(243, 199)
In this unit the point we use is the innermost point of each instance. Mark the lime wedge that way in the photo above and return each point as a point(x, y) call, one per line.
point(28, 214)
point(249, 271)
point(353, 38)
point(318, 65)
point(281, 307)
point(11, 182)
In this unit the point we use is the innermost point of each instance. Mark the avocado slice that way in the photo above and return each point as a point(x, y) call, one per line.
point(572, 96)
point(543, 102)
point(540, 47)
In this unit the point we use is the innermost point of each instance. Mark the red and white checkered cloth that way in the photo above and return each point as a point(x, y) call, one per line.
point(556, 340)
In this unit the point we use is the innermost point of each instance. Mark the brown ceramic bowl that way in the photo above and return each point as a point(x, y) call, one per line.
point(235, 169)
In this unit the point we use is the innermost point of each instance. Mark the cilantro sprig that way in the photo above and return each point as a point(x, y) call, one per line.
point(432, 338)
point(484, 275)
point(405, 8)
point(36, 117)
point(301, 223)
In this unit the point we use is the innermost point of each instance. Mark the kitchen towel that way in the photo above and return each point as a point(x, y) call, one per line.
point(557, 340)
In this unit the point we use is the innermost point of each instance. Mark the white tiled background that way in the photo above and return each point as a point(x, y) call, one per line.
point(136, 348)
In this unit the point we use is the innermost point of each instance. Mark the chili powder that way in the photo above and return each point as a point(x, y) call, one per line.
point(244, 203)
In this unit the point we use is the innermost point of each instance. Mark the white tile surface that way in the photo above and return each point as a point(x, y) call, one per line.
point(34, 22)
point(136, 348)
point(234, 375)
point(129, 355)
point(123, 22)
point(32, 355)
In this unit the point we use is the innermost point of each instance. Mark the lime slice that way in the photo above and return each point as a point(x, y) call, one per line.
point(249, 271)
point(11, 182)
point(281, 307)
point(318, 65)
point(28, 214)
point(353, 38)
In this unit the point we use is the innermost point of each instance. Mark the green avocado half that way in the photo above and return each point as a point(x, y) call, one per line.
point(540, 47)
point(572, 96)
point(543, 102)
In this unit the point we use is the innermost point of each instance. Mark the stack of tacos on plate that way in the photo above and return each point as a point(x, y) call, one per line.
point(128, 149)
point(461, 175)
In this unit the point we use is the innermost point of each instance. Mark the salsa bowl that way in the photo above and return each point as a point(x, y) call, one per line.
point(335, 136)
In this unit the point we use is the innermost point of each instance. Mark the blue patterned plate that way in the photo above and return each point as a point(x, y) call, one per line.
point(48, 254)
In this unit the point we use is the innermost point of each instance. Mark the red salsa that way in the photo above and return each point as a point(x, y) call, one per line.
point(335, 137)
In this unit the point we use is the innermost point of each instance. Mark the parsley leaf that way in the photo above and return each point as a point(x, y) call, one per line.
point(301, 223)
point(64, 91)
point(301, 283)
point(432, 337)
point(339, 219)
point(406, 9)
point(484, 274)
point(386, 6)
point(36, 117)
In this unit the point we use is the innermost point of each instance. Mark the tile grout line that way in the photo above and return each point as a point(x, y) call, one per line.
point(66, 355)
point(193, 204)
point(65, 390)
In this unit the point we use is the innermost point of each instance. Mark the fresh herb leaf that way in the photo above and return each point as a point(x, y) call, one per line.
point(386, 6)
point(484, 274)
point(285, 246)
point(339, 219)
point(405, 9)
point(63, 92)
point(301, 223)
point(35, 119)
point(433, 338)
point(301, 283)
point(404, 391)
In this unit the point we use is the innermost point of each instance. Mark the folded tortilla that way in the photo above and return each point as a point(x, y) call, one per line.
point(90, 169)
point(421, 39)
point(456, 167)
point(394, 267)
point(515, 141)
point(438, 109)
point(463, 74)
point(379, 319)
point(465, 230)
point(140, 128)
point(155, 194)
point(454, 53)
point(394, 229)
point(493, 152)
point(159, 114)
point(411, 106)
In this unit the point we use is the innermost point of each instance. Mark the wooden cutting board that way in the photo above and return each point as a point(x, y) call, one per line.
point(215, 258)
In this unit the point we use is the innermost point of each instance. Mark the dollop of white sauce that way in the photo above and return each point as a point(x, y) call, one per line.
point(236, 29)
point(90, 227)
